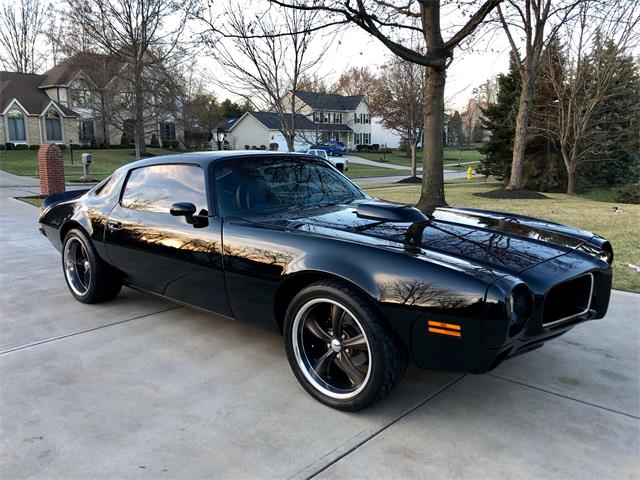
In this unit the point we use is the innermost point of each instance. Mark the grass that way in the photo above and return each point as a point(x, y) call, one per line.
point(451, 157)
point(357, 170)
point(104, 162)
point(35, 201)
point(596, 216)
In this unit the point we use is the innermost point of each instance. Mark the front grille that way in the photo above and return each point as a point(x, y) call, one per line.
point(568, 300)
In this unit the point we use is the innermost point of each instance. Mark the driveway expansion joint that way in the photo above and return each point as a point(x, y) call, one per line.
point(377, 432)
point(79, 332)
point(551, 392)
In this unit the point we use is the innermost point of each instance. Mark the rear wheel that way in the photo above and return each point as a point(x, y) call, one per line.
point(339, 348)
point(88, 277)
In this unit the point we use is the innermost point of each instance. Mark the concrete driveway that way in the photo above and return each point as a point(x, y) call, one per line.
point(142, 388)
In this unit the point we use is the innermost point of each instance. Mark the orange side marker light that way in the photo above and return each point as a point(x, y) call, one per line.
point(450, 329)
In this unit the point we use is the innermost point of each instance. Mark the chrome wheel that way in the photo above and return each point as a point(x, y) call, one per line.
point(331, 348)
point(77, 266)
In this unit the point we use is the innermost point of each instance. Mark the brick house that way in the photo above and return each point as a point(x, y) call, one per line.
point(60, 106)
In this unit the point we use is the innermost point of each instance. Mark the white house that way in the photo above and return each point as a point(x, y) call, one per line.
point(320, 117)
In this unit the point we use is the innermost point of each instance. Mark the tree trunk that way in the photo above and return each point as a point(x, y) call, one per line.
point(522, 124)
point(432, 192)
point(571, 182)
point(414, 160)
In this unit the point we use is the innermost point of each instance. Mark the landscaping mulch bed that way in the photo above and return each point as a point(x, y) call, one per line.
point(516, 194)
point(410, 180)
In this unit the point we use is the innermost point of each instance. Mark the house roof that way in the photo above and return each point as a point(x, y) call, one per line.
point(271, 120)
point(23, 87)
point(329, 101)
point(97, 67)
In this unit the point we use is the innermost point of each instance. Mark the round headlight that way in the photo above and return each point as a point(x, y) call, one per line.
point(519, 307)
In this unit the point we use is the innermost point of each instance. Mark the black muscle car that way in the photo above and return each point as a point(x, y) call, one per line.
point(356, 286)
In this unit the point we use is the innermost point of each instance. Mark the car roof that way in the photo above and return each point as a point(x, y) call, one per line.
point(205, 159)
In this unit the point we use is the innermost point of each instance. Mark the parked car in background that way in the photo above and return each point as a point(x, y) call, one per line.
point(341, 164)
point(333, 148)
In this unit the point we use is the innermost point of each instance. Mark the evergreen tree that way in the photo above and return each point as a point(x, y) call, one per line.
point(499, 119)
point(615, 122)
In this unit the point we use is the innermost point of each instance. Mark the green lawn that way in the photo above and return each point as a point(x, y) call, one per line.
point(357, 170)
point(451, 157)
point(104, 162)
point(596, 216)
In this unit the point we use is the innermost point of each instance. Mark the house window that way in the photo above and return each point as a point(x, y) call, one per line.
point(337, 118)
point(53, 126)
point(356, 118)
point(17, 131)
point(80, 94)
point(167, 131)
point(316, 117)
point(326, 117)
point(366, 118)
point(358, 139)
point(87, 133)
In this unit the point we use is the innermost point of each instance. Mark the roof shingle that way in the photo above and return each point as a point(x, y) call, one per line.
point(24, 87)
point(329, 101)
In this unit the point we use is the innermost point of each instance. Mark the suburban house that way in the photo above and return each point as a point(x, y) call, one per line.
point(62, 106)
point(319, 117)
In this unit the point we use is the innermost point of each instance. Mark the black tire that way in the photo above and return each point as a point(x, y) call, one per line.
point(309, 344)
point(79, 257)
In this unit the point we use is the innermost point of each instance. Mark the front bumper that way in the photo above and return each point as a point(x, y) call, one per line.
point(478, 345)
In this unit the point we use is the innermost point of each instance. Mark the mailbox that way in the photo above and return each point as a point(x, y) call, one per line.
point(86, 161)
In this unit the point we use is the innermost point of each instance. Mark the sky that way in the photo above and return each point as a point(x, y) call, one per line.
point(355, 48)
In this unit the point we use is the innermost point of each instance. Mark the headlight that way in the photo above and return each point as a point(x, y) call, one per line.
point(519, 307)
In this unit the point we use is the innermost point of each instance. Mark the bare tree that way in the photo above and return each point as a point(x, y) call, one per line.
point(141, 40)
point(398, 99)
point(22, 24)
point(266, 58)
point(530, 27)
point(357, 81)
point(590, 84)
point(389, 21)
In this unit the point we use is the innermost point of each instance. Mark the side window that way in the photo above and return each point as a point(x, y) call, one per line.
point(156, 188)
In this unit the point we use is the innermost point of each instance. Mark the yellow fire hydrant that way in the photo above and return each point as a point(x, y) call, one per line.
point(469, 173)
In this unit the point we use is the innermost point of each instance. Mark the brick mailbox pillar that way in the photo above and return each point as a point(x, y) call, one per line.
point(51, 169)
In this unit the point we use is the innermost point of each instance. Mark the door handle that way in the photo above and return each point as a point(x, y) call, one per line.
point(114, 225)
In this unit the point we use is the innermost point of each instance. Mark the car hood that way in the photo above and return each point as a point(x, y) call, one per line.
point(492, 239)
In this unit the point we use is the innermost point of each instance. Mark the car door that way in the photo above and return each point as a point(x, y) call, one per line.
point(165, 254)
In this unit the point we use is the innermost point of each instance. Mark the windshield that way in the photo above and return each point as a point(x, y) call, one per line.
point(262, 184)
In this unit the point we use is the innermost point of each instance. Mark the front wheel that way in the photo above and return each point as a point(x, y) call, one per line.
point(339, 348)
point(88, 277)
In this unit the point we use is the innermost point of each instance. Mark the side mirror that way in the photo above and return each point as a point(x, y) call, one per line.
point(188, 211)
point(183, 209)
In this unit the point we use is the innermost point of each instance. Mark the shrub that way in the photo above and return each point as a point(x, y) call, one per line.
point(629, 194)
point(34, 147)
point(247, 147)
point(62, 146)
point(360, 147)
point(253, 147)
point(21, 147)
point(154, 141)
point(263, 147)
point(375, 147)
point(273, 146)
point(77, 146)
point(2, 146)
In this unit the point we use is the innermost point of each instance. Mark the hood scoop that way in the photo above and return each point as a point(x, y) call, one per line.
point(390, 212)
